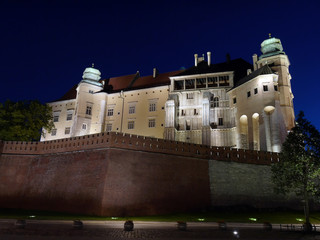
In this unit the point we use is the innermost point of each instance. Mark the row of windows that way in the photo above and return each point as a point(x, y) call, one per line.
point(56, 117)
point(66, 131)
point(255, 91)
point(198, 83)
point(131, 125)
point(132, 109)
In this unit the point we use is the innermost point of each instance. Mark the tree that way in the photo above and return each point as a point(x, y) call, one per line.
point(24, 120)
point(298, 169)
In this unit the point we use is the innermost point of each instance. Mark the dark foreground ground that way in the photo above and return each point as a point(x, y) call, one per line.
point(96, 230)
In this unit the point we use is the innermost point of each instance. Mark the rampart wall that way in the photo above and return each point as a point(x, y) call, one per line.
point(135, 142)
point(121, 175)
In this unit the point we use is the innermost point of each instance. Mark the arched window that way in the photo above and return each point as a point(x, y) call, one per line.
point(216, 102)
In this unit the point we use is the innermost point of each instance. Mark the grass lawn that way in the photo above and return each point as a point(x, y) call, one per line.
point(211, 216)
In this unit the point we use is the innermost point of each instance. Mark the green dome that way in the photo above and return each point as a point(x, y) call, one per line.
point(270, 47)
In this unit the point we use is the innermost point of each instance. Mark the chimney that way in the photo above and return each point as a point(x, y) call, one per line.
point(255, 59)
point(155, 72)
point(209, 58)
point(195, 59)
point(228, 58)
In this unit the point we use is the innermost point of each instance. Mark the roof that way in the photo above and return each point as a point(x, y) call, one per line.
point(238, 66)
point(71, 94)
point(261, 71)
point(135, 81)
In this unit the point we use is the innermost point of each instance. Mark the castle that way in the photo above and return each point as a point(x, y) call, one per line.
point(230, 104)
point(205, 137)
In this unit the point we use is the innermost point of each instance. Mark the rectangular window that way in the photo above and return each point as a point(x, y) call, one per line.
point(195, 112)
point(152, 107)
point(220, 121)
point(178, 85)
point(256, 91)
point(234, 100)
point(89, 110)
point(265, 88)
point(223, 80)
point(54, 132)
point(152, 123)
point(132, 109)
point(189, 83)
point(67, 130)
point(56, 118)
point(110, 112)
point(109, 127)
point(183, 112)
point(212, 81)
point(201, 82)
point(69, 116)
point(249, 94)
point(131, 125)
point(84, 126)
point(276, 87)
point(189, 95)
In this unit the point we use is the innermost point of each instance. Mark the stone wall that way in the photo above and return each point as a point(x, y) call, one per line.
point(233, 183)
point(114, 174)
point(100, 180)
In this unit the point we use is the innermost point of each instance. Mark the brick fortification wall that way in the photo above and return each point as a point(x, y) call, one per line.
point(120, 174)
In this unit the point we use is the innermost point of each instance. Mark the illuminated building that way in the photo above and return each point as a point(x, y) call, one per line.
point(232, 104)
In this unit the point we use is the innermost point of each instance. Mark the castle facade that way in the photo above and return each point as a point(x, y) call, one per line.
point(232, 104)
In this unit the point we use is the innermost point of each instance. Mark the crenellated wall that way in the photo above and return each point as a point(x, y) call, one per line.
point(141, 143)
point(113, 174)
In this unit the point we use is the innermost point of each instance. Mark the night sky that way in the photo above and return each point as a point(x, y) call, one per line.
point(46, 45)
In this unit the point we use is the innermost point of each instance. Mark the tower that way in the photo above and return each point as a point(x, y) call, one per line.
point(90, 104)
point(274, 56)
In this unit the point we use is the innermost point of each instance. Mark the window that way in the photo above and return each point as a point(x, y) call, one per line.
point(255, 91)
point(54, 132)
point(195, 112)
point(201, 83)
point(223, 80)
point(109, 127)
point(183, 112)
point(89, 110)
point(249, 94)
point(212, 81)
point(152, 107)
point(110, 112)
point(152, 123)
point(84, 126)
point(178, 85)
point(265, 88)
point(220, 121)
point(189, 95)
point(188, 127)
point(56, 118)
point(69, 116)
point(189, 83)
point(216, 102)
point(234, 100)
point(276, 87)
point(131, 125)
point(132, 109)
point(67, 130)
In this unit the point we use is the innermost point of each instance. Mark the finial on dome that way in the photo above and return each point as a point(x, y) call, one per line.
point(92, 65)
point(269, 35)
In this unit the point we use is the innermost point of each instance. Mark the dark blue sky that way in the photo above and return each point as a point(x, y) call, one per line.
point(46, 45)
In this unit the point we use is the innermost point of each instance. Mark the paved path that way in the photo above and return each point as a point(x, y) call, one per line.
point(113, 230)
